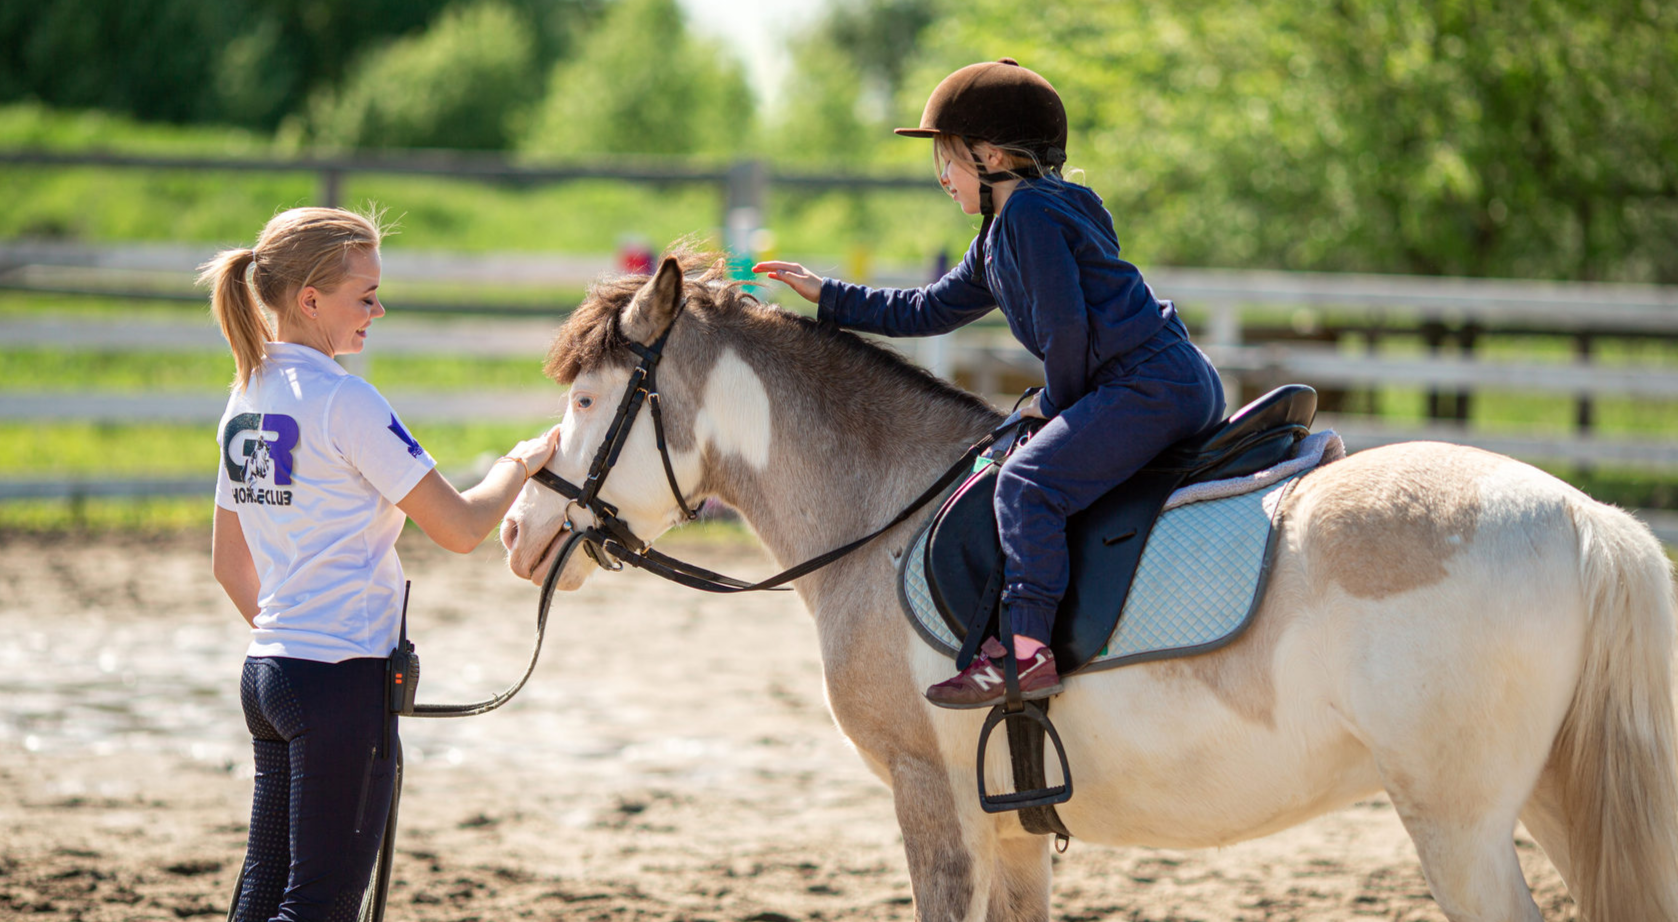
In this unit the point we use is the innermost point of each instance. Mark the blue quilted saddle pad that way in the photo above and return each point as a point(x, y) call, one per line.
point(1196, 588)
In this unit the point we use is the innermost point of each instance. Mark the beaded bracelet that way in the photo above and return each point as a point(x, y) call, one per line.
point(521, 464)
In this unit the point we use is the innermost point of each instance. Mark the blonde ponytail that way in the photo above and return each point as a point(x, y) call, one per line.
point(237, 310)
point(297, 248)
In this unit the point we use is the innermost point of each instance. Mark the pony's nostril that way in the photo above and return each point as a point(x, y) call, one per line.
point(509, 534)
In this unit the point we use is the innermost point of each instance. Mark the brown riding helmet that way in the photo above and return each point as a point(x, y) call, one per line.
point(1000, 102)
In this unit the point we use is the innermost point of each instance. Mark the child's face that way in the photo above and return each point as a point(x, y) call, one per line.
point(959, 177)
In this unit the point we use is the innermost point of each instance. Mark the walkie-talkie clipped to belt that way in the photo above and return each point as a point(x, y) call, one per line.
point(402, 670)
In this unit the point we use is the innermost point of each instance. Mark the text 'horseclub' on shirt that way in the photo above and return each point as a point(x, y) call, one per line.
point(313, 461)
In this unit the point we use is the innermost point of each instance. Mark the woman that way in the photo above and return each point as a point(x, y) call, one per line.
point(317, 476)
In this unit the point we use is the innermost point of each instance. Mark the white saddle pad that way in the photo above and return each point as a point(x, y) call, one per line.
point(1200, 578)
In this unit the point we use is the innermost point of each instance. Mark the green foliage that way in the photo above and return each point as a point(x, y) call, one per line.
point(643, 85)
point(1487, 139)
point(828, 124)
point(245, 61)
point(125, 55)
point(881, 36)
point(457, 85)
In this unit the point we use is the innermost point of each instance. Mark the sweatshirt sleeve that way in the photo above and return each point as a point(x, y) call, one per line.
point(959, 298)
point(1040, 262)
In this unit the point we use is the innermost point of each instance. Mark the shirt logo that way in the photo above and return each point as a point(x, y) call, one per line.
point(408, 440)
point(257, 451)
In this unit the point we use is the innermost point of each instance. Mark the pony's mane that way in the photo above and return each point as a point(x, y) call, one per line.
point(592, 336)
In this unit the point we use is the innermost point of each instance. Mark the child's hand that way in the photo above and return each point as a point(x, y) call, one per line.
point(799, 279)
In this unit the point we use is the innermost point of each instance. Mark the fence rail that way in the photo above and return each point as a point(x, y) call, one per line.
point(1450, 314)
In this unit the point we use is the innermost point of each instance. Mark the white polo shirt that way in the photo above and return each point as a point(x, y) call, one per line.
point(313, 461)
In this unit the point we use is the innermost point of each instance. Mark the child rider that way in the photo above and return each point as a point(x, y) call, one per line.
point(1123, 382)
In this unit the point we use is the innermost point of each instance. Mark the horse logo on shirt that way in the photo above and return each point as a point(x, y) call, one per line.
point(260, 464)
point(257, 450)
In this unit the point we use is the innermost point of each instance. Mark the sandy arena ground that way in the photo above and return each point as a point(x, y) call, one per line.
point(650, 771)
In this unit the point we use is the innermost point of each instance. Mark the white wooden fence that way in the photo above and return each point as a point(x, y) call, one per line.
point(1222, 299)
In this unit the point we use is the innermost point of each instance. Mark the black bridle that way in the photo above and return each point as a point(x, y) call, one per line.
point(612, 543)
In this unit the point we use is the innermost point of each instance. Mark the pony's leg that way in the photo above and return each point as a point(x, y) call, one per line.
point(943, 871)
point(1460, 810)
point(1020, 889)
point(1460, 755)
point(1470, 865)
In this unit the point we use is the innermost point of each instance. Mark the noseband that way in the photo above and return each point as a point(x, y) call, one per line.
point(608, 527)
point(611, 542)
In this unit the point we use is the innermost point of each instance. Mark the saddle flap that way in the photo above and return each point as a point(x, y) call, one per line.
point(1104, 544)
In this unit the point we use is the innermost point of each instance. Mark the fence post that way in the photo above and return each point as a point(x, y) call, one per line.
point(743, 210)
point(331, 187)
point(1223, 330)
point(1583, 414)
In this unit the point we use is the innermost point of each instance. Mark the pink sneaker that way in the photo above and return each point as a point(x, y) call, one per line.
point(982, 684)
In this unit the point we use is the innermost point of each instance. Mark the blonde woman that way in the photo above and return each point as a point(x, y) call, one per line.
point(317, 474)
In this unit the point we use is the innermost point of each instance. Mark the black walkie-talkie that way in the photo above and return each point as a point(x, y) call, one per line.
point(402, 670)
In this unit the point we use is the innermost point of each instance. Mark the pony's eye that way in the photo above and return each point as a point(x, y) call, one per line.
point(584, 403)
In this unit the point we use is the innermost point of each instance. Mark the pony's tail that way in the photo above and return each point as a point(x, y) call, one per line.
point(237, 310)
point(1614, 763)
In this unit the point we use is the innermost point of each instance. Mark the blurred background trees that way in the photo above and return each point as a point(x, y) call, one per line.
point(1477, 137)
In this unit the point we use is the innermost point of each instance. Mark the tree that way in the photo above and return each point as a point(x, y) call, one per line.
point(458, 84)
point(641, 84)
point(1448, 136)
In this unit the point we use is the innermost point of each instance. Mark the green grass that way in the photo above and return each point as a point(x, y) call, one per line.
point(34, 304)
point(100, 204)
point(87, 450)
point(173, 450)
point(44, 370)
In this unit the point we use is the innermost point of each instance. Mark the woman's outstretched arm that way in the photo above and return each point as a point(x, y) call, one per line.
point(460, 520)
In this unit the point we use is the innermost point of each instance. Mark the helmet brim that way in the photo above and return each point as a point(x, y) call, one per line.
point(916, 132)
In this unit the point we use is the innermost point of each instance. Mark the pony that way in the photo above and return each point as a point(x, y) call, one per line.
point(1472, 636)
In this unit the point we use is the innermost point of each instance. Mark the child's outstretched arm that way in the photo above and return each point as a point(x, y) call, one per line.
point(958, 298)
point(794, 276)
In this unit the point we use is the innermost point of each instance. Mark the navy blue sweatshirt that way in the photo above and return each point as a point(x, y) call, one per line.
point(1053, 266)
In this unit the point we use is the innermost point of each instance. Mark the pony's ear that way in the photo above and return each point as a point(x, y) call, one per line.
point(653, 308)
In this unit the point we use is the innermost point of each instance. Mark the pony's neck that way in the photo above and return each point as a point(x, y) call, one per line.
point(848, 452)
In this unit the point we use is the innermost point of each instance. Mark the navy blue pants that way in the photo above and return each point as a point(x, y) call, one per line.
point(323, 785)
point(1139, 407)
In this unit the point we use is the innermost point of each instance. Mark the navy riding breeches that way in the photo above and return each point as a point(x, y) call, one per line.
point(1136, 410)
point(324, 774)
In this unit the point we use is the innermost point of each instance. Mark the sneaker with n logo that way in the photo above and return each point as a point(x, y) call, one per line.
point(982, 684)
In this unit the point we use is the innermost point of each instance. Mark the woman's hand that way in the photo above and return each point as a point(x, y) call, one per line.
point(535, 453)
point(794, 276)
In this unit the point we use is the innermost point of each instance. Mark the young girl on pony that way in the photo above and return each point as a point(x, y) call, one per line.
point(1123, 381)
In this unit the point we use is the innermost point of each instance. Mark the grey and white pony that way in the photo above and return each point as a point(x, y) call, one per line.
point(1479, 640)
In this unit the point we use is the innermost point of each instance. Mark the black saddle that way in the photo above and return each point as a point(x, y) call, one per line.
point(1105, 541)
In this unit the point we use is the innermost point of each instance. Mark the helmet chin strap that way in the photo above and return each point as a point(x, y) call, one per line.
point(987, 205)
